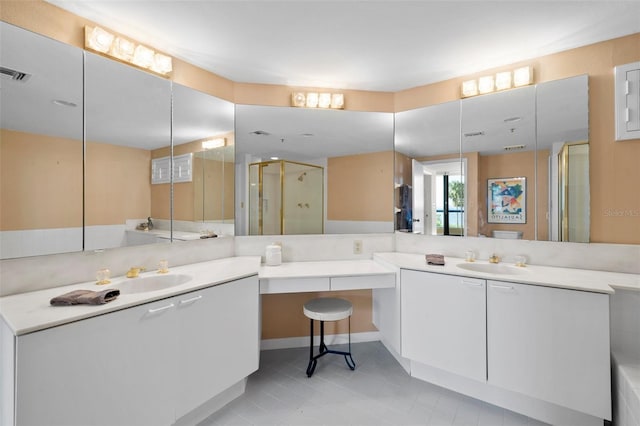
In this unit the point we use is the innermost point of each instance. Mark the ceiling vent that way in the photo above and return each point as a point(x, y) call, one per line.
point(514, 147)
point(472, 134)
point(260, 133)
point(15, 75)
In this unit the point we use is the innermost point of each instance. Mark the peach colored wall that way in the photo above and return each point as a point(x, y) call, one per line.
point(117, 184)
point(282, 314)
point(33, 169)
point(360, 187)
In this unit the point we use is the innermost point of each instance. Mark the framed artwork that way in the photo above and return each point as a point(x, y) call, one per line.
point(507, 200)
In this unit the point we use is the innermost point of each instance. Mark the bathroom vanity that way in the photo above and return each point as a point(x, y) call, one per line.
point(534, 340)
point(164, 357)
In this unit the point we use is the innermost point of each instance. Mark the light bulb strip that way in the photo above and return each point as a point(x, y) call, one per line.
point(323, 100)
point(503, 80)
point(102, 41)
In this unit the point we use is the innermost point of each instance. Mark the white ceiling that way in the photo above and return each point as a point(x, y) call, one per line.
point(369, 45)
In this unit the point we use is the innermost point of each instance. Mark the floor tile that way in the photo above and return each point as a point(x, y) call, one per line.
point(377, 393)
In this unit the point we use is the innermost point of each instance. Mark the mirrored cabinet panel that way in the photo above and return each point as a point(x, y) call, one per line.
point(307, 171)
point(203, 134)
point(41, 145)
point(128, 120)
point(499, 144)
point(563, 159)
point(427, 142)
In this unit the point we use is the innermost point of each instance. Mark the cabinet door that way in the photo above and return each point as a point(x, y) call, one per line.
point(107, 370)
point(218, 340)
point(552, 344)
point(444, 322)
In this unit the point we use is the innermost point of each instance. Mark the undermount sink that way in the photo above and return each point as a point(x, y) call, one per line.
point(152, 283)
point(492, 268)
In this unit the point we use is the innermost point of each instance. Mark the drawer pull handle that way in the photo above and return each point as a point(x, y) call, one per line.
point(193, 299)
point(502, 287)
point(164, 308)
point(472, 283)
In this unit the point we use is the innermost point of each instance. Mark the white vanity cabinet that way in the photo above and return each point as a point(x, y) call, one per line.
point(218, 341)
point(114, 369)
point(551, 344)
point(443, 322)
point(146, 365)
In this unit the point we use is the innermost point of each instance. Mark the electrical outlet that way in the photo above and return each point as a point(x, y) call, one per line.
point(357, 247)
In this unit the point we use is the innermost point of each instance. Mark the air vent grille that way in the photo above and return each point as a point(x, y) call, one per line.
point(15, 75)
point(514, 147)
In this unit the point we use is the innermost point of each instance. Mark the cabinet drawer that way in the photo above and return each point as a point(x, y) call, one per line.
point(363, 281)
point(293, 285)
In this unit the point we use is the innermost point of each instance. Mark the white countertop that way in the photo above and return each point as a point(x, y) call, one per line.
point(28, 312)
point(572, 279)
point(331, 268)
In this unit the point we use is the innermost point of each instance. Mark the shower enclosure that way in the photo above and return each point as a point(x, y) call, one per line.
point(285, 197)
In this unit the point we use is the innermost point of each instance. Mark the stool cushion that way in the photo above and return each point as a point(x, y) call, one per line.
point(328, 309)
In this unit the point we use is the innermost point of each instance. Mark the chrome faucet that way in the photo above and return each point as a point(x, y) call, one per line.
point(149, 223)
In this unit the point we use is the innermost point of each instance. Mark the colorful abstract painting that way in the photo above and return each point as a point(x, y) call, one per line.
point(507, 198)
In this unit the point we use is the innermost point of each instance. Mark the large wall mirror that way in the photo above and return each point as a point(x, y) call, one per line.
point(471, 166)
point(310, 171)
point(128, 118)
point(203, 133)
point(41, 145)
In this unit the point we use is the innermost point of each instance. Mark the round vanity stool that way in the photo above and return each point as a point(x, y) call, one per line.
point(327, 309)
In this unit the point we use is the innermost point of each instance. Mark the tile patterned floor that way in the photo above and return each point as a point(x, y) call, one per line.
point(378, 392)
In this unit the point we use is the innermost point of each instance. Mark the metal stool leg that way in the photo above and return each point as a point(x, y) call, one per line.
point(312, 360)
point(351, 365)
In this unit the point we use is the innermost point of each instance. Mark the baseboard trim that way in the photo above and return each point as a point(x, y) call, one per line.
point(330, 339)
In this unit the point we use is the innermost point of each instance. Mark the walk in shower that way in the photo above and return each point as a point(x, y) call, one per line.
point(285, 197)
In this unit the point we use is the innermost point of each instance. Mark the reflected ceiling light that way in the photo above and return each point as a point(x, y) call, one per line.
point(317, 100)
point(522, 76)
point(275, 158)
point(102, 41)
point(500, 81)
point(214, 143)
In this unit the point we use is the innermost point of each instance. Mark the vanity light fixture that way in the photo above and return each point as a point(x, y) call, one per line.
point(469, 88)
point(102, 41)
point(503, 80)
point(522, 76)
point(317, 100)
point(214, 143)
point(486, 84)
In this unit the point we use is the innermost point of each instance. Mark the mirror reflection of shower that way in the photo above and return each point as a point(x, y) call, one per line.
point(569, 195)
point(285, 197)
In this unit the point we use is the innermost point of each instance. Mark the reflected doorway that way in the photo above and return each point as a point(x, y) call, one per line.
point(438, 198)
